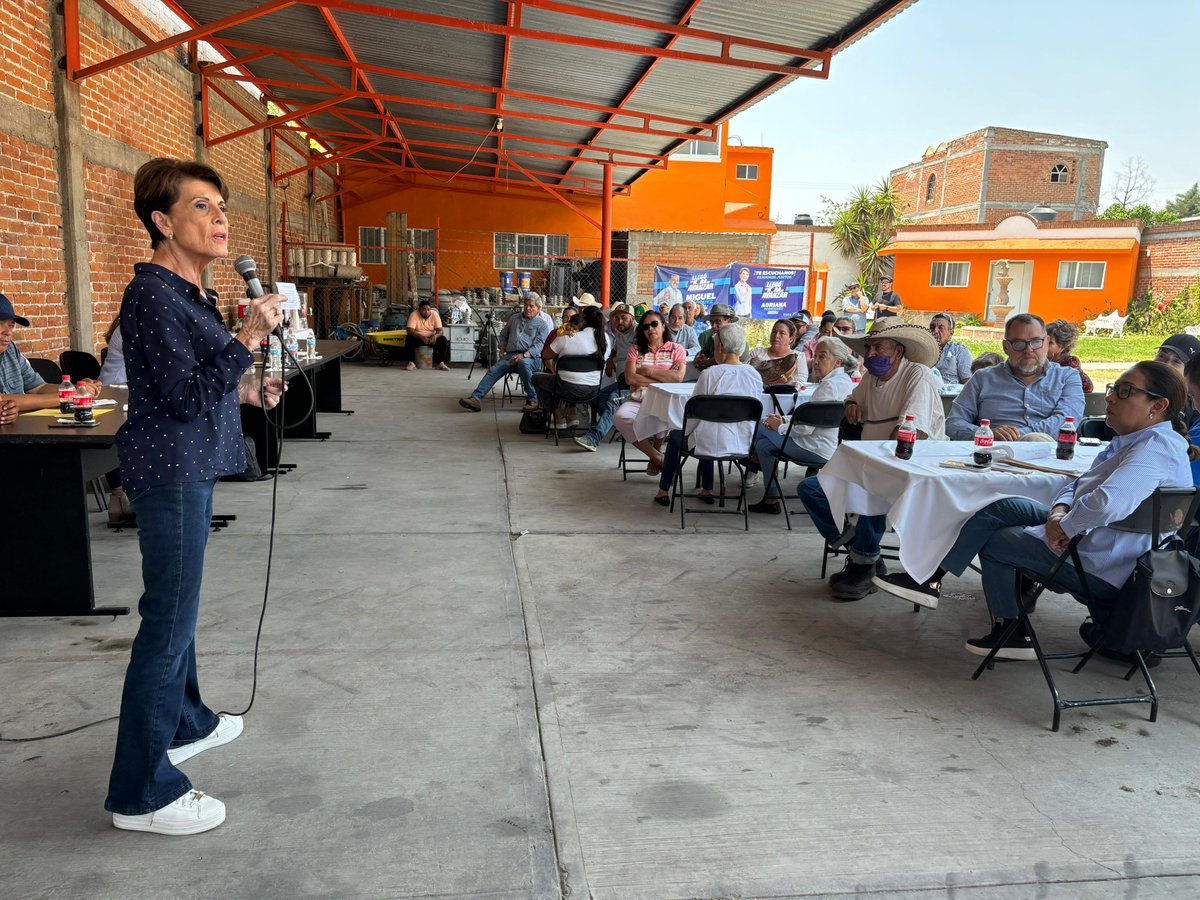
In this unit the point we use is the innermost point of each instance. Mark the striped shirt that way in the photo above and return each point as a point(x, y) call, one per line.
point(1124, 474)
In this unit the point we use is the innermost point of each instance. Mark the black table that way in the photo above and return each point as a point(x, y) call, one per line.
point(45, 529)
point(320, 393)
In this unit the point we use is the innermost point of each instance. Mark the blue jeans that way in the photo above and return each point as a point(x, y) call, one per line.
point(671, 464)
point(160, 704)
point(867, 535)
point(997, 535)
point(606, 406)
point(769, 440)
point(525, 368)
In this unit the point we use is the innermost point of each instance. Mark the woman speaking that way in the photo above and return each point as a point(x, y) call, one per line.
point(183, 431)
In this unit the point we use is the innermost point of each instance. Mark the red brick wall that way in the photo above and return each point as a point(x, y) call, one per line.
point(693, 251)
point(1173, 260)
point(127, 116)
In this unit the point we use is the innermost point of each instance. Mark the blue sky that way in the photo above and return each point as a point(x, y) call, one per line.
point(1121, 72)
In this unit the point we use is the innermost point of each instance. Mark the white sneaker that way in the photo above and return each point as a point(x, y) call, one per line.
point(442, 367)
point(228, 728)
point(752, 479)
point(192, 813)
point(410, 366)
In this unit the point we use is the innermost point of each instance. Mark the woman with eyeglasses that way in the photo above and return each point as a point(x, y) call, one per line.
point(777, 362)
point(1151, 450)
point(654, 359)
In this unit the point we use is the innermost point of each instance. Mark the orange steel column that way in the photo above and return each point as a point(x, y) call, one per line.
point(606, 237)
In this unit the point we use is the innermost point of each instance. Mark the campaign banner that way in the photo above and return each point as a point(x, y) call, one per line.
point(766, 292)
point(704, 286)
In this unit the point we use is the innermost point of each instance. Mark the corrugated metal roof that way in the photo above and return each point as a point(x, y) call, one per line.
point(442, 66)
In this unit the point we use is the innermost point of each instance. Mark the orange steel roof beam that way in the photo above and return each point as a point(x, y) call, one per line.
point(553, 193)
point(514, 21)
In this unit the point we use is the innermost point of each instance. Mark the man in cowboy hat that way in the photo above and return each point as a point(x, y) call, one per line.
point(899, 383)
point(1026, 394)
point(720, 314)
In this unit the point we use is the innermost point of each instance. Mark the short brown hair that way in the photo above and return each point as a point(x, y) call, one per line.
point(1064, 333)
point(156, 189)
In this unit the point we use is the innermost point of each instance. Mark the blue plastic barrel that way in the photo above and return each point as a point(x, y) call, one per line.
point(506, 282)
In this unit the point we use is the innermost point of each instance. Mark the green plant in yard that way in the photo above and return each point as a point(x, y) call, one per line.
point(863, 225)
point(1150, 314)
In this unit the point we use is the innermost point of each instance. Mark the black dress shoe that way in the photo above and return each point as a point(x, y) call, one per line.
point(766, 506)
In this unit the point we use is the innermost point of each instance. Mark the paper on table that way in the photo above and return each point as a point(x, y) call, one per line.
point(104, 402)
point(54, 412)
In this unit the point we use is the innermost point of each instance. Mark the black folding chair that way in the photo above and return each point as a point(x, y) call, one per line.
point(818, 415)
point(1096, 427)
point(79, 364)
point(577, 365)
point(776, 391)
point(47, 369)
point(724, 410)
point(1163, 512)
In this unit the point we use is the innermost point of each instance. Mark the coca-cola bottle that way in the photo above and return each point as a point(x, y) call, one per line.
point(66, 396)
point(1066, 439)
point(906, 437)
point(83, 405)
point(983, 443)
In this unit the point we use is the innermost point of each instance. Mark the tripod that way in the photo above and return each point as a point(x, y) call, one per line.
point(487, 347)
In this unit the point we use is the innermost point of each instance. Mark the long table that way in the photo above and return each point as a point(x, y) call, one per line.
point(662, 406)
point(45, 528)
point(926, 503)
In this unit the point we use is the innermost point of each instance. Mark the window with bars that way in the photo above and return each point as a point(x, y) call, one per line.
point(1081, 276)
point(371, 242)
point(422, 242)
point(514, 250)
point(949, 274)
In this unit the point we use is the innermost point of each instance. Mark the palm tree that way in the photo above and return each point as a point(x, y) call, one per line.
point(863, 226)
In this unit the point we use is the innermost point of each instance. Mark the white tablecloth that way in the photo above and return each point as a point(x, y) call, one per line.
point(928, 504)
point(662, 407)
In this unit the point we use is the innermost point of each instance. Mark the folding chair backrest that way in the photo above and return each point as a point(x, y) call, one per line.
point(1095, 427)
point(79, 364)
point(818, 414)
point(722, 408)
point(587, 363)
point(1164, 511)
point(47, 369)
point(775, 391)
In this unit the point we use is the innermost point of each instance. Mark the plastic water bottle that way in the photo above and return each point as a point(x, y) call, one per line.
point(276, 350)
point(293, 345)
point(906, 437)
point(83, 405)
point(1066, 439)
point(311, 344)
point(983, 443)
point(66, 396)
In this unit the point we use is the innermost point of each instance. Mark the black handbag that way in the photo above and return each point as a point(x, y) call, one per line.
point(534, 421)
point(1159, 603)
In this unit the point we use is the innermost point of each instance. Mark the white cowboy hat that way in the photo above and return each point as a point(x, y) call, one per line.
point(919, 345)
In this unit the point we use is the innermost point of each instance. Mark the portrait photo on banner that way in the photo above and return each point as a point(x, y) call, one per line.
point(754, 291)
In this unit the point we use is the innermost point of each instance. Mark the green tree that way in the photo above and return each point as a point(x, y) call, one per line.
point(1186, 203)
point(863, 225)
point(1143, 211)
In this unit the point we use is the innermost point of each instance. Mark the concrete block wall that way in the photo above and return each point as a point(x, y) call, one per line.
point(127, 116)
point(694, 251)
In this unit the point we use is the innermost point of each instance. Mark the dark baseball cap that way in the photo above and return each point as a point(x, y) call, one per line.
point(1182, 345)
point(424, 303)
point(7, 312)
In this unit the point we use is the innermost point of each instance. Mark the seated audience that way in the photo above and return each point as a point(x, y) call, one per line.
point(1176, 351)
point(954, 363)
point(808, 445)
point(728, 376)
point(1151, 450)
point(899, 383)
point(21, 388)
point(424, 329)
point(681, 332)
point(1191, 374)
point(520, 351)
point(623, 330)
point(778, 363)
point(720, 314)
point(824, 329)
point(986, 361)
point(572, 387)
point(1061, 336)
point(652, 360)
point(1027, 394)
point(694, 313)
point(844, 325)
point(805, 332)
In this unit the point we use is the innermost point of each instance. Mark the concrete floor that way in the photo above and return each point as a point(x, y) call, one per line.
point(491, 668)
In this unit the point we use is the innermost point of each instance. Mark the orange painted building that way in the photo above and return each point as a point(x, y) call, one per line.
point(706, 187)
point(1067, 270)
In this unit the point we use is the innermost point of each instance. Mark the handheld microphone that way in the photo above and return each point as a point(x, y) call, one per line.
point(246, 267)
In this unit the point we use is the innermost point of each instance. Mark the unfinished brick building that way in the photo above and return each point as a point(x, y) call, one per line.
point(989, 174)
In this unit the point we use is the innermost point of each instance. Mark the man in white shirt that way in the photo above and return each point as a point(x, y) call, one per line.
point(669, 295)
point(728, 376)
point(899, 383)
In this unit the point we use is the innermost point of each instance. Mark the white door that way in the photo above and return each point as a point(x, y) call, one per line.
point(1019, 289)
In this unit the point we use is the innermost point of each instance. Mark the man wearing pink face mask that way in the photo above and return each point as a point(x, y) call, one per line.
point(899, 382)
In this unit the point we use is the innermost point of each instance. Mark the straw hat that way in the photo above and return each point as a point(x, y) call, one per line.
point(919, 345)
